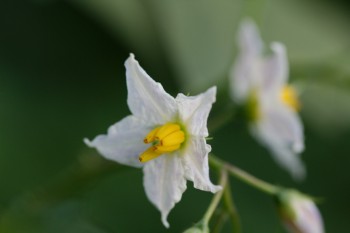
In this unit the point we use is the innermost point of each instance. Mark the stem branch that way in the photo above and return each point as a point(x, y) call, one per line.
point(231, 209)
point(216, 200)
point(244, 176)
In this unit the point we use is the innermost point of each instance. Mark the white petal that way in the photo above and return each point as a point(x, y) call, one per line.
point(249, 39)
point(146, 98)
point(308, 217)
point(289, 160)
point(164, 182)
point(194, 111)
point(195, 160)
point(124, 141)
point(281, 130)
point(246, 71)
point(275, 69)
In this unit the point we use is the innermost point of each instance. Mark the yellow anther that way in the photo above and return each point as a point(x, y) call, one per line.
point(149, 154)
point(151, 135)
point(174, 138)
point(165, 149)
point(290, 97)
point(166, 129)
point(165, 139)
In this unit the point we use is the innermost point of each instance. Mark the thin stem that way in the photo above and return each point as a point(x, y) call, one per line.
point(220, 221)
point(244, 176)
point(216, 200)
point(231, 209)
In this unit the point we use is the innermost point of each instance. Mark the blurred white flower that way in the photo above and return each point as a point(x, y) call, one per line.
point(164, 135)
point(260, 82)
point(299, 213)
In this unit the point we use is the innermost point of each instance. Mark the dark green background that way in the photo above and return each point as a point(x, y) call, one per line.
point(62, 79)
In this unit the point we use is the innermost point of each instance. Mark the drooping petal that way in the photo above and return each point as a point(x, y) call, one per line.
point(289, 160)
point(284, 123)
point(195, 161)
point(246, 71)
point(275, 70)
point(123, 142)
point(164, 182)
point(281, 131)
point(194, 111)
point(146, 98)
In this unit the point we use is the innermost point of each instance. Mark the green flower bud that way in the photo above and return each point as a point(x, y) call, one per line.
point(198, 228)
point(194, 230)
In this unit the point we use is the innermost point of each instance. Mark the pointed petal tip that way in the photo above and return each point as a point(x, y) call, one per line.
point(300, 174)
point(207, 187)
point(298, 147)
point(212, 91)
point(249, 26)
point(216, 188)
point(248, 22)
point(88, 142)
point(278, 47)
point(129, 60)
point(165, 221)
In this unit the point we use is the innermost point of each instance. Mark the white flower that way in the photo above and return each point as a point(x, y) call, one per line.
point(299, 213)
point(260, 82)
point(164, 135)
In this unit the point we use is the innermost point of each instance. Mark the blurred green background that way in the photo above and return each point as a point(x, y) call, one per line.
point(62, 79)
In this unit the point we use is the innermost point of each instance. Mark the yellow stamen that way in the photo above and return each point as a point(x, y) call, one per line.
point(175, 138)
point(149, 154)
point(165, 149)
point(150, 137)
point(165, 130)
point(290, 98)
point(165, 139)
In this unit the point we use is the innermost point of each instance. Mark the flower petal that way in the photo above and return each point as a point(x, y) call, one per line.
point(249, 39)
point(194, 111)
point(124, 141)
point(275, 69)
point(146, 98)
point(289, 160)
point(309, 219)
point(298, 212)
point(164, 182)
point(281, 131)
point(246, 71)
point(195, 161)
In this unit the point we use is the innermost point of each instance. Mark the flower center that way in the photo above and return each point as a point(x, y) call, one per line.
point(252, 107)
point(166, 138)
point(289, 97)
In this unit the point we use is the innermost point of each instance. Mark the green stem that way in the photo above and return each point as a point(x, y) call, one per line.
point(231, 209)
point(220, 221)
point(244, 176)
point(216, 200)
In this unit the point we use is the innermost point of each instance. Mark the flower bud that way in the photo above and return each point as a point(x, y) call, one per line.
point(198, 228)
point(195, 230)
point(299, 213)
